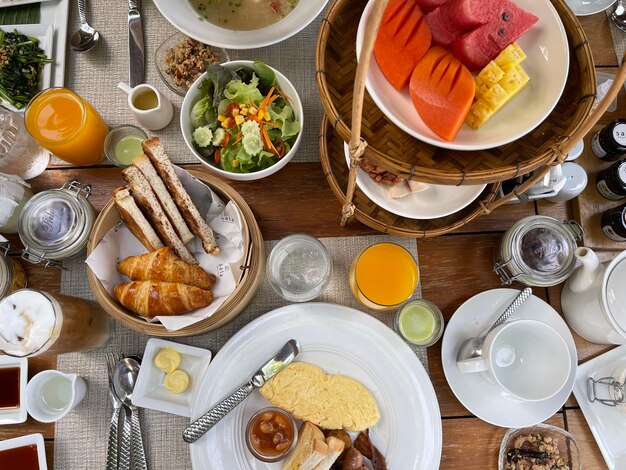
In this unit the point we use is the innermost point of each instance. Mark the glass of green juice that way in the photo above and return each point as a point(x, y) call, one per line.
point(419, 322)
point(123, 144)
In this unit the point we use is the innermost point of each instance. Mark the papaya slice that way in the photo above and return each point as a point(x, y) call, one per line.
point(402, 40)
point(442, 91)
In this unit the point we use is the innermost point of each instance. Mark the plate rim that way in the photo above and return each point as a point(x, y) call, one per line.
point(419, 372)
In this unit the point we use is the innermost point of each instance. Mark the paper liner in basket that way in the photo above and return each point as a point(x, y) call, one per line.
point(225, 220)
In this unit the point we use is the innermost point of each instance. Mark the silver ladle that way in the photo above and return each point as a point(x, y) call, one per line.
point(124, 379)
point(473, 347)
point(86, 37)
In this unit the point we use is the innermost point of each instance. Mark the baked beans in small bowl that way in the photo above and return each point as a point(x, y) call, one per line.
point(271, 434)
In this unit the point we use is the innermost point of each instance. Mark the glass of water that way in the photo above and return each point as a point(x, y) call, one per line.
point(299, 268)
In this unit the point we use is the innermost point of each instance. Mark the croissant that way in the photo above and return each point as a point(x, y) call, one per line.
point(154, 298)
point(164, 265)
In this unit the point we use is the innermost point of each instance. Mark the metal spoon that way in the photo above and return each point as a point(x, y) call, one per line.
point(473, 347)
point(618, 15)
point(124, 379)
point(86, 37)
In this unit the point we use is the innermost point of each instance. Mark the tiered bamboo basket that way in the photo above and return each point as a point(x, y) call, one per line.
point(248, 276)
point(353, 117)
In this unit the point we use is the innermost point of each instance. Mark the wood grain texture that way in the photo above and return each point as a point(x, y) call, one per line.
point(578, 427)
point(599, 36)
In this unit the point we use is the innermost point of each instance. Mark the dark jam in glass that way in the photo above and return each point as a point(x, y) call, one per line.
point(9, 388)
point(20, 458)
point(614, 223)
point(611, 182)
point(609, 144)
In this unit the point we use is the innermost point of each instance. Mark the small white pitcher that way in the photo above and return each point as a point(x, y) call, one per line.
point(152, 119)
point(51, 394)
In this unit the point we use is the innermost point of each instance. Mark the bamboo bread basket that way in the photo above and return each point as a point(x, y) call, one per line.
point(357, 120)
point(248, 277)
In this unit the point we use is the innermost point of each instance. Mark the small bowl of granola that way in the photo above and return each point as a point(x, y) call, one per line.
point(542, 447)
point(181, 60)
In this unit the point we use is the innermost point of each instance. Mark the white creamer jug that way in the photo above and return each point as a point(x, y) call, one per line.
point(594, 298)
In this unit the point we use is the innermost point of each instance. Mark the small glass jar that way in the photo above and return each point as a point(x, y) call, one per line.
point(611, 182)
point(609, 143)
point(12, 274)
point(55, 224)
point(614, 223)
point(538, 251)
point(279, 425)
point(14, 194)
point(419, 322)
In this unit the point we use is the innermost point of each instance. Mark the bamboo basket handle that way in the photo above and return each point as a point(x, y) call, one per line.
point(357, 145)
point(560, 152)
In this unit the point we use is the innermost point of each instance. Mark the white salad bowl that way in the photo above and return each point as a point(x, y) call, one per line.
point(183, 17)
point(193, 95)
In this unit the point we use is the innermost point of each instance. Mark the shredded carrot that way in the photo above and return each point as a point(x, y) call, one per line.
point(239, 136)
point(266, 101)
point(269, 142)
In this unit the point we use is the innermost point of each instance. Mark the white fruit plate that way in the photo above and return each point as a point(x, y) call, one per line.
point(547, 64)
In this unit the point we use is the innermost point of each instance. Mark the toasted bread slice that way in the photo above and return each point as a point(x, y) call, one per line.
point(169, 207)
point(147, 200)
point(155, 151)
point(135, 220)
point(310, 450)
point(335, 448)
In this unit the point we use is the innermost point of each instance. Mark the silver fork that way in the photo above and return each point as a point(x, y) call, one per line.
point(116, 457)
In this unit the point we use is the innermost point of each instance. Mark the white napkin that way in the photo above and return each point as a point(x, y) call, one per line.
point(120, 243)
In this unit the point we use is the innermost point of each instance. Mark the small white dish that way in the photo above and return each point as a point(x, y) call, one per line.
point(607, 424)
point(16, 415)
point(52, 394)
point(149, 389)
point(28, 440)
point(431, 203)
point(588, 7)
point(187, 20)
point(45, 34)
point(547, 64)
point(477, 392)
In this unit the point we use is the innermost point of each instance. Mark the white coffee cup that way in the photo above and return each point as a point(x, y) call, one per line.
point(526, 358)
point(157, 116)
point(51, 394)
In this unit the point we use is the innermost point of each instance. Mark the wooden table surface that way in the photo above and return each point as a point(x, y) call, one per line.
point(453, 268)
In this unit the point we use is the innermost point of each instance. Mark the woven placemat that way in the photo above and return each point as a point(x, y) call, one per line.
point(95, 74)
point(619, 38)
point(89, 423)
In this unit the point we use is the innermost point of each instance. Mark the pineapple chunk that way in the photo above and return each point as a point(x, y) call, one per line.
point(497, 84)
point(511, 56)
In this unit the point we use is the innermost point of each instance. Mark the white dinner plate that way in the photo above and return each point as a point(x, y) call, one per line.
point(588, 7)
point(547, 64)
point(339, 340)
point(476, 391)
point(436, 201)
point(14, 3)
point(607, 424)
point(45, 34)
point(186, 19)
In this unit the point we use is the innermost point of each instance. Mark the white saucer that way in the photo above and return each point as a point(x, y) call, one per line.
point(475, 391)
point(588, 7)
point(435, 201)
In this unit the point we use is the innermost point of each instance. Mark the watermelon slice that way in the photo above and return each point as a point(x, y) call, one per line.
point(429, 5)
point(442, 91)
point(444, 31)
point(403, 39)
point(483, 44)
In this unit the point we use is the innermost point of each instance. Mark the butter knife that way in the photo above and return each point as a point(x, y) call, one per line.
point(136, 52)
point(272, 367)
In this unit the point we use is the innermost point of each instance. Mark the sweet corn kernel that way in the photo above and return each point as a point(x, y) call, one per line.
point(235, 163)
point(242, 106)
point(221, 118)
point(239, 120)
point(235, 112)
point(252, 110)
point(226, 122)
point(260, 114)
point(244, 112)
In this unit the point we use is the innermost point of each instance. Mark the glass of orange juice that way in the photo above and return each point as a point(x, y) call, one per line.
point(67, 125)
point(383, 276)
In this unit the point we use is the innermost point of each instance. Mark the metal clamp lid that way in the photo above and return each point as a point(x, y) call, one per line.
point(35, 258)
point(503, 273)
point(575, 228)
point(4, 248)
point(78, 188)
point(613, 384)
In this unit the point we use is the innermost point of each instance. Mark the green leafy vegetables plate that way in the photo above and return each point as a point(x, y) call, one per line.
point(242, 122)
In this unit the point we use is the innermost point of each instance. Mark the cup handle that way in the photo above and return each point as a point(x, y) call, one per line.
point(124, 87)
point(475, 364)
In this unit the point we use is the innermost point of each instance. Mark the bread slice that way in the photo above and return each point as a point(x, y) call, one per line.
point(335, 448)
point(169, 207)
point(147, 200)
point(155, 151)
point(135, 220)
point(310, 450)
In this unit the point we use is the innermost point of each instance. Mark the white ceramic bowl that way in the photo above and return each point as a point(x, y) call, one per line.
point(193, 95)
point(184, 18)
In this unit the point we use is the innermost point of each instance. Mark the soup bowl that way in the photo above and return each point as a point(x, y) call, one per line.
point(186, 19)
point(193, 95)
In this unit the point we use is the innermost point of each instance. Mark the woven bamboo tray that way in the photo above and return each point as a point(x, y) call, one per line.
point(249, 275)
point(333, 159)
point(397, 152)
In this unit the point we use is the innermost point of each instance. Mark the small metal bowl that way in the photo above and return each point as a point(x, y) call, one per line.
point(270, 457)
point(164, 48)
